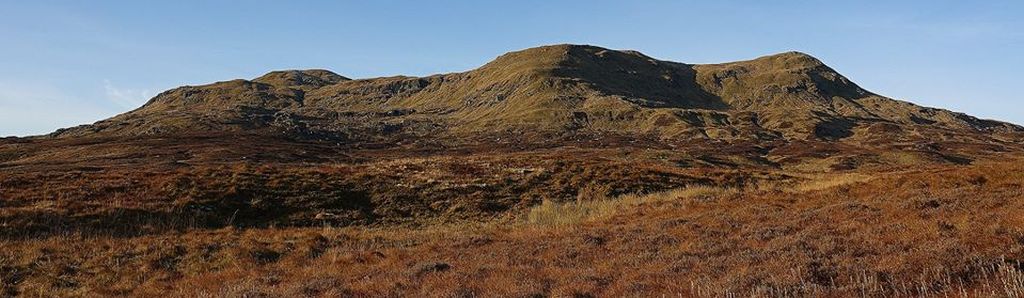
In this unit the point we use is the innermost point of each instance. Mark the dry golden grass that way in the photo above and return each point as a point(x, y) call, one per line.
point(553, 214)
point(826, 181)
point(600, 206)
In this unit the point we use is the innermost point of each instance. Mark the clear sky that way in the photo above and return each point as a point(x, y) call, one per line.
point(64, 63)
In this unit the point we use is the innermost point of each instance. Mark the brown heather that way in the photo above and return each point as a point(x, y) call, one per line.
point(943, 231)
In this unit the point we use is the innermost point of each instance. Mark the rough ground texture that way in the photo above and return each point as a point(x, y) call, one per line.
point(308, 183)
point(935, 232)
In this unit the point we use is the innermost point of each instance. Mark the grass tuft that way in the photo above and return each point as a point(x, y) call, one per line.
point(551, 213)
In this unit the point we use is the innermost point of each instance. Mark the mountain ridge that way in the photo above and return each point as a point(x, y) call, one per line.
point(557, 89)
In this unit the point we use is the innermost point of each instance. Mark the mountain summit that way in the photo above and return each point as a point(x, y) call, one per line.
point(552, 90)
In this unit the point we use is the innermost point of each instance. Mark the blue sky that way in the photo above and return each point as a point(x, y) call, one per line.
point(64, 63)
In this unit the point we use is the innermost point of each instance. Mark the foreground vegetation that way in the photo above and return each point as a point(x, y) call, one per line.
point(941, 231)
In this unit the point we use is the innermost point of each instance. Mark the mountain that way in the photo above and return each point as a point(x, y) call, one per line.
point(554, 90)
point(563, 170)
point(547, 123)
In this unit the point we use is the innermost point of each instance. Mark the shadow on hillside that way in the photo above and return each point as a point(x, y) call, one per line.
point(640, 79)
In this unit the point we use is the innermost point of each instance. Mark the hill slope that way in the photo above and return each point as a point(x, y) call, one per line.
point(557, 90)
